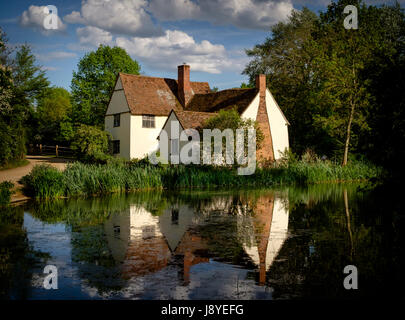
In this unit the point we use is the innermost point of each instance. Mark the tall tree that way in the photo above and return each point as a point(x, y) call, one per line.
point(5, 75)
point(24, 83)
point(29, 79)
point(324, 76)
point(286, 57)
point(52, 112)
point(94, 81)
point(343, 55)
point(386, 118)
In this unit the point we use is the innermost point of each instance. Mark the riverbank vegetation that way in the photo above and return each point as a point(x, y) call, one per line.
point(6, 190)
point(81, 179)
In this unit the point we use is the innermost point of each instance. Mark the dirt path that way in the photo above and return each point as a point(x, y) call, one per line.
point(14, 175)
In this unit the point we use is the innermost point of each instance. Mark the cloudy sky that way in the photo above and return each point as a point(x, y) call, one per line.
point(210, 35)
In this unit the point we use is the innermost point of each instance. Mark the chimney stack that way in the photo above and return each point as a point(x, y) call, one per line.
point(261, 84)
point(185, 93)
point(266, 152)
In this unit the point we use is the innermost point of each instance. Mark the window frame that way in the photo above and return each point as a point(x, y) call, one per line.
point(148, 121)
point(117, 116)
point(114, 146)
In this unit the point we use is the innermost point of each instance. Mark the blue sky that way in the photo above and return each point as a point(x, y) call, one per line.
point(210, 35)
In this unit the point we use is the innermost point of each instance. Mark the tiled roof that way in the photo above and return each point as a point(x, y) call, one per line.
point(193, 119)
point(157, 96)
point(225, 99)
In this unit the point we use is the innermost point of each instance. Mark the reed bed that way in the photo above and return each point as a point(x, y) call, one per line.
point(80, 179)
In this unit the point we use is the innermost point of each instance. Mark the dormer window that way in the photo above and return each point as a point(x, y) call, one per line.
point(117, 120)
point(148, 121)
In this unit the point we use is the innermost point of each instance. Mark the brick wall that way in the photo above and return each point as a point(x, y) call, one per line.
point(266, 152)
point(185, 93)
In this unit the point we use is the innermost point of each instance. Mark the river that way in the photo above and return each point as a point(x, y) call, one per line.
point(285, 243)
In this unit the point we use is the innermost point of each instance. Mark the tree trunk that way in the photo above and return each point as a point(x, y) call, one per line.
point(349, 125)
point(346, 200)
point(349, 128)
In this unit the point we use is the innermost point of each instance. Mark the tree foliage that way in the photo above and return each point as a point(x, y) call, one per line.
point(94, 80)
point(328, 79)
point(231, 119)
point(90, 143)
point(52, 114)
point(22, 84)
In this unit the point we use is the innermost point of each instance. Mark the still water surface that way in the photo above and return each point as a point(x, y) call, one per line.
point(256, 244)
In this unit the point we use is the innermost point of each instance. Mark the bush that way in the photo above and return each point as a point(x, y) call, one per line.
point(90, 144)
point(5, 193)
point(44, 181)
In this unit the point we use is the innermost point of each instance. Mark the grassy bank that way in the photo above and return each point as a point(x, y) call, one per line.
point(88, 179)
point(14, 164)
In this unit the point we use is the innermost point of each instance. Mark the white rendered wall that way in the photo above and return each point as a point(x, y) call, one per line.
point(278, 126)
point(144, 140)
point(251, 111)
point(118, 102)
point(118, 105)
point(121, 133)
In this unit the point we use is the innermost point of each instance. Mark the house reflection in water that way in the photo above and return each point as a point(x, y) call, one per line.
point(264, 232)
point(145, 243)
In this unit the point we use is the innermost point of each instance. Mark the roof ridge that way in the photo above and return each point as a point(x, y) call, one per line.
point(146, 76)
point(185, 110)
point(227, 90)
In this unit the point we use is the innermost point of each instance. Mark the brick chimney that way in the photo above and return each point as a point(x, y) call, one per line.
point(266, 152)
point(261, 84)
point(185, 93)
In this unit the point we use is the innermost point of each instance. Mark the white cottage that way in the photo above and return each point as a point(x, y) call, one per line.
point(140, 107)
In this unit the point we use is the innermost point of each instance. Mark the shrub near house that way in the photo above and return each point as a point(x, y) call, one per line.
point(91, 144)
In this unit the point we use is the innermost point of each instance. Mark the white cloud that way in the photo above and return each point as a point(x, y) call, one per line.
point(56, 55)
point(127, 17)
point(251, 14)
point(74, 17)
point(34, 18)
point(174, 48)
point(93, 36)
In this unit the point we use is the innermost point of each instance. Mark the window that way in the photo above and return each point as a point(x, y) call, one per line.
point(175, 147)
point(148, 121)
point(117, 120)
point(116, 146)
point(148, 232)
point(175, 216)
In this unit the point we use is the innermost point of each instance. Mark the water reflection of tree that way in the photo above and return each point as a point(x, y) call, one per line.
point(16, 256)
point(328, 235)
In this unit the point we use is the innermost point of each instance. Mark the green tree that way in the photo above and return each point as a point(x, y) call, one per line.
point(344, 99)
point(246, 85)
point(231, 119)
point(327, 78)
point(286, 58)
point(29, 80)
point(22, 83)
point(53, 112)
point(386, 119)
point(90, 143)
point(5, 76)
point(94, 81)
